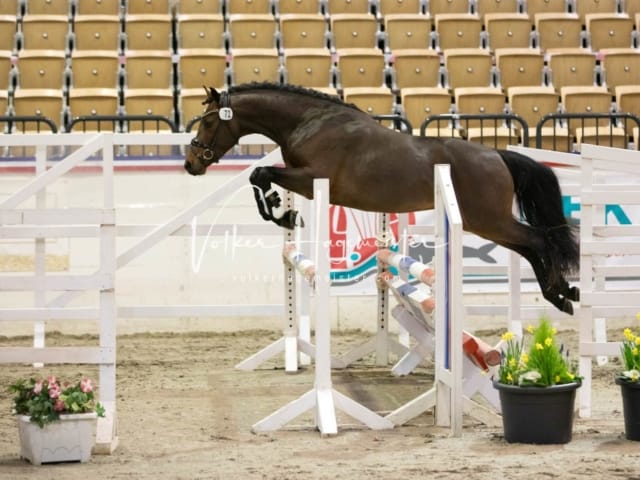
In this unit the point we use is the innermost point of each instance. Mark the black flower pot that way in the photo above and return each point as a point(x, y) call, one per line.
point(540, 415)
point(631, 408)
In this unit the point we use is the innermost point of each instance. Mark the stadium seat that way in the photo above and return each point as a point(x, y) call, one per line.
point(312, 68)
point(416, 68)
point(303, 31)
point(468, 67)
point(353, 31)
point(484, 101)
point(620, 66)
point(202, 66)
point(458, 30)
point(558, 30)
point(149, 101)
point(628, 99)
point(148, 32)
point(254, 65)
point(48, 103)
point(372, 100)
point(508, 30)
point(519, 67)
point(252, 31)
point(95, 69)
point(97, 32)
point(360, 67)
point(202, 30)
point(89, 102)
point(148, 69)
point(43, 69)
point(532, 104)
point(609, 30)
point(46, 32)
point(571, 67)
point(585, 100)
point(7, 72)
point(410, 31)
point(418, 104)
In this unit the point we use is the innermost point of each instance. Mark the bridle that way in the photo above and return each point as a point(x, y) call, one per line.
point(225, 114)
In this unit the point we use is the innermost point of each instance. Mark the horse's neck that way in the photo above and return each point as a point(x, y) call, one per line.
point(266, 116)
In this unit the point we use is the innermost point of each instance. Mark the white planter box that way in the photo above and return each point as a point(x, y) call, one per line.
point(68, 440)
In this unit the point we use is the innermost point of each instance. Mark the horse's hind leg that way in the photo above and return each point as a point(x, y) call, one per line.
point(530, 243)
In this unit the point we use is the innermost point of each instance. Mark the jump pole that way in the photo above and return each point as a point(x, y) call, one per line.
point(295, 333)
point(322, 397)
point(382, 343)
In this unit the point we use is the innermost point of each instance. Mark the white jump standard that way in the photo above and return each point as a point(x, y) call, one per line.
point(460, 366)
point(323, 397)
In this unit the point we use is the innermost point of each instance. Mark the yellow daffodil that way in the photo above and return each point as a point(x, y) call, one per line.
point(628, 334)
point(512, 362)
point(548, 341)
point(553, 331)
point(530, 328)
point(509, 377)
point(539, 346)
point(524, 358)
point(557, 378)
point(507, 336)
point(634, 351)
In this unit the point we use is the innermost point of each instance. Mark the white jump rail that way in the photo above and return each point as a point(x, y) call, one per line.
point(413, 312)
point(594, 177)
point(598, 241)
point(323, 398)
point(40, 223)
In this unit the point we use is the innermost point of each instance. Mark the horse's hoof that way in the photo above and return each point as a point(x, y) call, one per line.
point(273, 200)
point(567, 307)
point(290, 219)
point(573, 294)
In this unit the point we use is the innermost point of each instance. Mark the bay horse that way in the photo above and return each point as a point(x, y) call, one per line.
point(374, 168)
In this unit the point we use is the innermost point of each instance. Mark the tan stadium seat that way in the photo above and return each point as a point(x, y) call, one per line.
point(353, 31)
point(97, 32)
point(148, 7)
point(95, 69)
point(558, 30)
point(609, 30)
point(311, 68)
point(508, 30)
point(198, 7)
point(298, 7)
point(202, 66)
point(458, 30)
point(252, 31)
point(437, 7)
point(620, 66)
point(308, 30)
point(149, 69)
point(571, 67)
point(148, 32)
point(407, 31)
point(416, 68)
point(348, 6)
point(255, 65)
point(200, 31)
point(419, 103)
point(360, 67)
point(44, 69)
point(519, 67)
point(261, 7)
point(468, 67)
point(46, 32)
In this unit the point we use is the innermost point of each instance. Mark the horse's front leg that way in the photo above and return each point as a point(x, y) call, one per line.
point(267, 199)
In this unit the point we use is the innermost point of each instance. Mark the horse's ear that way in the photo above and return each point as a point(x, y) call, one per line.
point(212, 95)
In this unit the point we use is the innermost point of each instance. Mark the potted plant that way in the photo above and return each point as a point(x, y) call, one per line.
point(537, 386)
point(629, 381)
point(56, 420)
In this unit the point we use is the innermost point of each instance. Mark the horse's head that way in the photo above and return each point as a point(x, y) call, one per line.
point(214, 135)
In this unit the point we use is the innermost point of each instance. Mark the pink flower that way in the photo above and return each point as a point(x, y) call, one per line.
point(37, 388)
point(86, 386)
point(59, 405)
point(54, 390)
point(52, 380)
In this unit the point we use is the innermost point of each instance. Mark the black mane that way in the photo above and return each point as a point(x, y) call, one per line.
point(289, 88)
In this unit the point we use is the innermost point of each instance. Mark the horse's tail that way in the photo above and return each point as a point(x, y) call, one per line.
point(540, 201)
